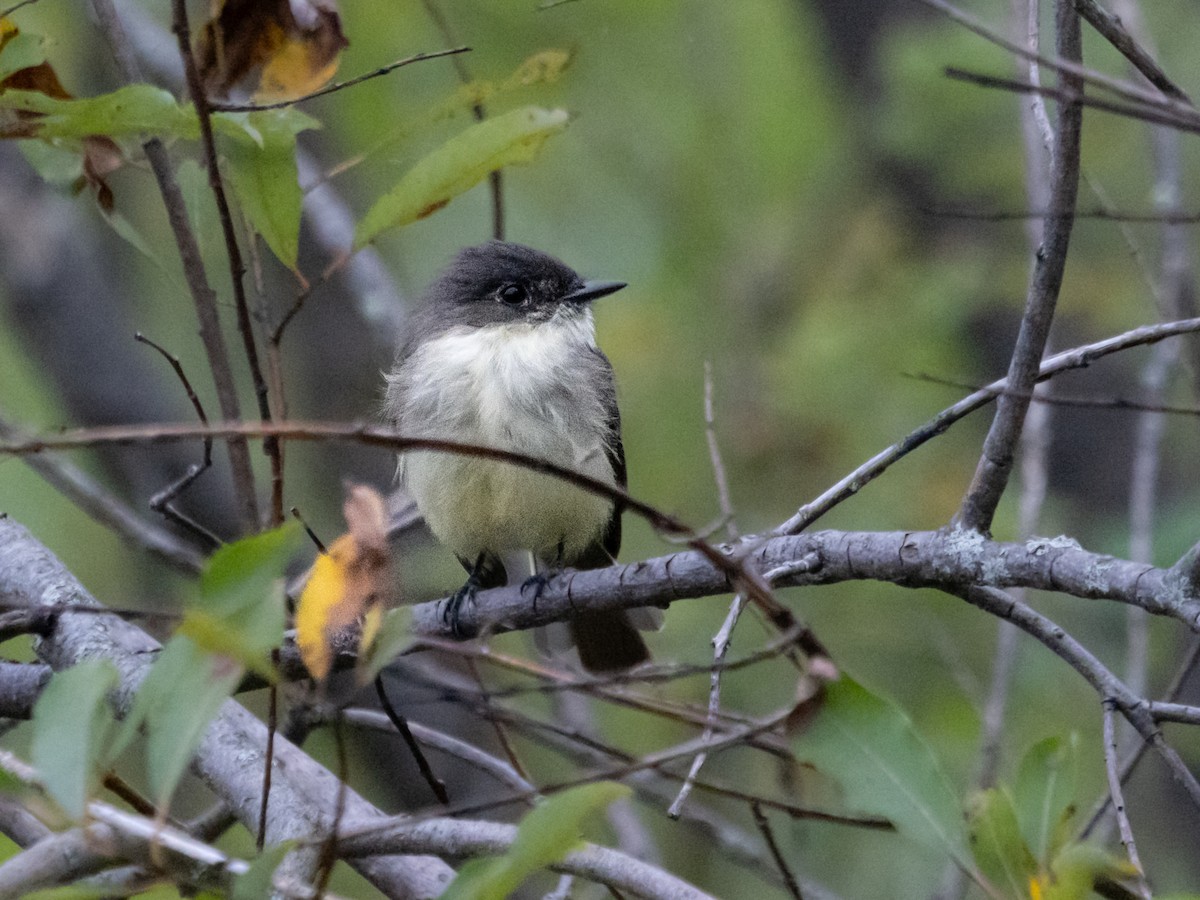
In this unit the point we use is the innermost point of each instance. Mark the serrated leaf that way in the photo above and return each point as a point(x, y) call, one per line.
point(258, 882)
point(129, 111)
point(997, 845)
point(72, 724)
point(884, 766)
point(260, 158)
point(1045, 790)
point(460, 164)
point(177, 699)
point(547, 833)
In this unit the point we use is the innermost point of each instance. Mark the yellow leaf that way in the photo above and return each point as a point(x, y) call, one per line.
point(349, 582)
point(298, 68)
point(280, 49)
point(324, 591)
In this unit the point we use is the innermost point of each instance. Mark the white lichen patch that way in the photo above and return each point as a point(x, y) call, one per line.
point(1039, 545)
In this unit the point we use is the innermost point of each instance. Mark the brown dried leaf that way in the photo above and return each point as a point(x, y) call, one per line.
point(277, 49)
point(101, 157)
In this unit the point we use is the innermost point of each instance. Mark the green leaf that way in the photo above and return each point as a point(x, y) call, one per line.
point(1076, 869)
point(1000, 851)
point(884, 766)
point(128, 111)
point(72, 724)
point(240, 612)
point(260, 156)
point(460, 164)
point(178, 698)
point(239, 574)
point(20, 52)
point(258, 882)
point(1045, 791)
point(394, 635)
point(546, 834)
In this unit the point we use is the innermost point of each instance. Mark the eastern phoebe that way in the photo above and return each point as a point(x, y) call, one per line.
point(502, 353)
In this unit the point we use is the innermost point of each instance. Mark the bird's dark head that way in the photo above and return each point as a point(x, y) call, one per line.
point(500, 283)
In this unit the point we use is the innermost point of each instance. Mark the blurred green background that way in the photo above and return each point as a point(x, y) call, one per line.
point(773, 178)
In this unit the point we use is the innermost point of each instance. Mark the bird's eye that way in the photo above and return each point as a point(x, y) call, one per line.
point(512, 294)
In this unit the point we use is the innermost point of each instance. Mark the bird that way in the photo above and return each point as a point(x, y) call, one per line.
point(501, 352)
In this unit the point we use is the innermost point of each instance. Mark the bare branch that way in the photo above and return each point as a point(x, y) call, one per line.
point(1134, 709)
point(457, 838)
point(340, 85)
point(90, 496)
point(995, 463)
point(203, 297)
point(237, 268)
point(1115, 33)
point(1118, 798)
point(496, 177)
point(302, 791)
point(1079, 357)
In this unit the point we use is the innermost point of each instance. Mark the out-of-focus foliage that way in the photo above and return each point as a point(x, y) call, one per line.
point(776, 210)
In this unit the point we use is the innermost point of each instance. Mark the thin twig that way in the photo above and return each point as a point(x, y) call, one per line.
point(1079, 357)
point(473, 756)
point(1188, 665)
point(764, 828)
point(496, 178)
point(724, 503)
point(338, 86)
point(1181, 121)
point(1064, 66)
point(1143, 504)
point(1068, 649)
point(268, 757)
point(401, 725)
point(1115, 33)
point(1117, 404)
point(329, 844)
point(237, 268)
point(12, 9)
point(161, 501)
point(203, 297)
point(1118, 798)
point(485, 702)
point(312, 535)
point(724, 637)
point(1109, 215)
point(109, 510)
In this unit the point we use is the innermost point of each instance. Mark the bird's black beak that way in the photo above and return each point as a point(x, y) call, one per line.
point(593, 290)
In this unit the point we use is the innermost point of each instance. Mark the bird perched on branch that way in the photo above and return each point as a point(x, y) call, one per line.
point(502, 353)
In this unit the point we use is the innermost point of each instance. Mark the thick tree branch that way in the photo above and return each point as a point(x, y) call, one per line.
point(458, 838)
point(949, 560)
point(229, 757)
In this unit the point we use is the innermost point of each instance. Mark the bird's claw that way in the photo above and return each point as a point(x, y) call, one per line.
point(452, 611)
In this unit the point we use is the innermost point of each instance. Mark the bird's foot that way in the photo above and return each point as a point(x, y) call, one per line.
point(452, 611)
point(537, 583)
